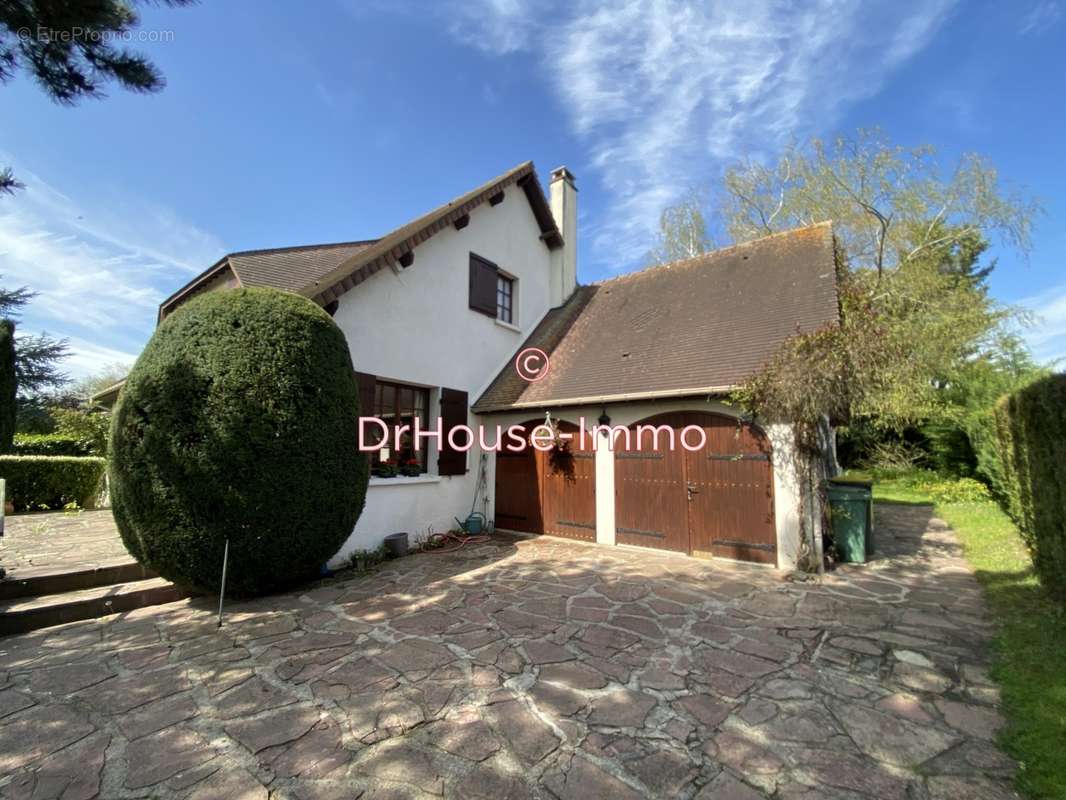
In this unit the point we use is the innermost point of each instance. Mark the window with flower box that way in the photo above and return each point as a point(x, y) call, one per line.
point(398, 404)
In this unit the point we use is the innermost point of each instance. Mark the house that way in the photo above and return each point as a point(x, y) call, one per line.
point(437, 311)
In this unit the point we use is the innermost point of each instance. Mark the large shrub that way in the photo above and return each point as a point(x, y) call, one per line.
point(50, 444)
point(239, 422)
point(37, 483)
point(90, 428)
point(1031, 424)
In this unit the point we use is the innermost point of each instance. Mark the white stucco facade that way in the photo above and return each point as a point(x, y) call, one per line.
point(415, 326)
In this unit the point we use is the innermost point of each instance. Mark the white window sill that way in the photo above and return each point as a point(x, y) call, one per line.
point(402, 480)
point(508, 325)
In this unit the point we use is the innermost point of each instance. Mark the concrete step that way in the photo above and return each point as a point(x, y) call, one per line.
point(34, 582)
point(20, 615)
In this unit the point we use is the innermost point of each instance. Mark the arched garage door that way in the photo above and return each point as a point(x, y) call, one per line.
point(539, 492)
point(718, 501)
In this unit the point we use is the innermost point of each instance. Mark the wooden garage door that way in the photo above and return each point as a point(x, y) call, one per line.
point(538, 492)
point(649, 486)
point(518, 491)
point(716, 501)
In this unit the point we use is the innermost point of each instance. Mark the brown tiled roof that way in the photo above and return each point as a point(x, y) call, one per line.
point(289, 268)
point(326, 271)
point(549, 332)
point(698, 326)
point(293, 268)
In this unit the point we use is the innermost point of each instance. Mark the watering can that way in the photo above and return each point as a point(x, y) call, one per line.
point(473, 524)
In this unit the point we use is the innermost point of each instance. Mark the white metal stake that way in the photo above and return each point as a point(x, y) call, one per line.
point(222, 591)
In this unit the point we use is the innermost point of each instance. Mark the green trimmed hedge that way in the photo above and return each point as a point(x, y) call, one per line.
point(239, 422)
point(36, 483)
point(50, 444)
point(1031, 427)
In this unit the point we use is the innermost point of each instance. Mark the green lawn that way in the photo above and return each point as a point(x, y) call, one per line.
point(1030, 649)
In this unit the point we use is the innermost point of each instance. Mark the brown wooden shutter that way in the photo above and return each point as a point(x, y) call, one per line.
point(453, 408)
point(367, 382)
point(483, 285)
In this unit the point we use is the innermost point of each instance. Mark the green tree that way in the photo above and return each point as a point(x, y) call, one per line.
point(963, 435)
point(12, 301)
point(910, 239)
point(68, 47)
point(37, 356)
point(37, 362)
point(961, 352)
point(90, 428)
point(936, 308)
point(8, 385)
point(889, 204)
point(682, 232)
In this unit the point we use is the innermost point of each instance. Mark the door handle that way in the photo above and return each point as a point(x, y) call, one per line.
point(691, 490)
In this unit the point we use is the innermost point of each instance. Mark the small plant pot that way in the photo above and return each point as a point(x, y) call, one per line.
point(396, 545)
point(9, 507)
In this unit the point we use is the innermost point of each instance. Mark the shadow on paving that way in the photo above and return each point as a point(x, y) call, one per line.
point(528, 668)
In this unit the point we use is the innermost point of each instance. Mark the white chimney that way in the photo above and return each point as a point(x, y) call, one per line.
point(564, 260)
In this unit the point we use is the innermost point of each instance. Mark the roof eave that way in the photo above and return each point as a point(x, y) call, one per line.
point(101, 398)
point(199, 280)
point(627, 397)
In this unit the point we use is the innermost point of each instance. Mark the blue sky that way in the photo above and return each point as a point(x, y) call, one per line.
point(301, 123)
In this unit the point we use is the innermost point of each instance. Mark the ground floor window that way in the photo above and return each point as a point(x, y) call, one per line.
point(399, 404)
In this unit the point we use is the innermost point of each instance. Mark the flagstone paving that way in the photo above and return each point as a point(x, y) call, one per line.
point(60, 542)
point(529, 668)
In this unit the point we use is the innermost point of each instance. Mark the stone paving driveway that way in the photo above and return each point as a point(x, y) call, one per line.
point(59, 542)
point(528, 669)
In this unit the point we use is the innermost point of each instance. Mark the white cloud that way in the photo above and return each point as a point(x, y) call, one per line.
point(98, 277)
point(88, 358)
point(1041, 17)
point(1047, 336)
point(664, 92)
point(497, 26)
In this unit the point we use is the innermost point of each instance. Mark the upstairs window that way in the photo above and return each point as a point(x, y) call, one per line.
point(504, 298)
point(492, 292)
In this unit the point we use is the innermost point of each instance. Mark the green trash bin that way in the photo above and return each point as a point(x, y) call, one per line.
point(850, 512)
point(844, 480)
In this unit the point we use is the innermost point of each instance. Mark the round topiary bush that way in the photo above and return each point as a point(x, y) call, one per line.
point(240, 421)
